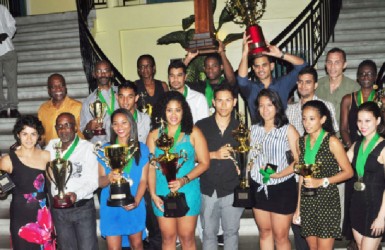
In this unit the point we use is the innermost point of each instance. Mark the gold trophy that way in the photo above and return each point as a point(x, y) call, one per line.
point(308, 171)
point(98, 110)
point(242, 194)
point(175, 204)
point(59, 172)
point(146, 107)
point(247, 12)
point(116, 157)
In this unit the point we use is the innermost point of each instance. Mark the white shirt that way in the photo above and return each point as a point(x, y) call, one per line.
point(84, 178)
point(7, 25)
point(198, 105)
point(143, 125)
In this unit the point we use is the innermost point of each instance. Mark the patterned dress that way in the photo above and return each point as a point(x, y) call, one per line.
point(321, 214)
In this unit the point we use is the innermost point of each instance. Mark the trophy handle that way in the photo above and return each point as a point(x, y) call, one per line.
point(96, 150)
point(153, 160)
point(49, 173)
point(69, 173)
point(182, 154)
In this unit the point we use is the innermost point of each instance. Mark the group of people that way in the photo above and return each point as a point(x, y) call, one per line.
point(285, 137)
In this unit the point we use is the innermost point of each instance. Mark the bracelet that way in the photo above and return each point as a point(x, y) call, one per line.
point(89, 132)
point(186, 179)
point(283, 54)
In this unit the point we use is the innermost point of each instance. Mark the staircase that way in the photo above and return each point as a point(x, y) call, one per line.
point(360, 31)
point(45, 44)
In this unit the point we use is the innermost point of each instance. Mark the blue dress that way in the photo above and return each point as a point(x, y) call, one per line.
point(192, 189)
point(115, 221)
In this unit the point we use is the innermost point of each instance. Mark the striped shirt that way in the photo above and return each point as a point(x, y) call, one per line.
point(273, 146)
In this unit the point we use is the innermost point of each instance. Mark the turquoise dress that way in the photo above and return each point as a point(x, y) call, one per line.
point(115, 221)
point(192, 189)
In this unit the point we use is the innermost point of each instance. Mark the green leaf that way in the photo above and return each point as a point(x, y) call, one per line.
point(232, 37)
point(224, 18)
point(174, 37)
point(194, 69)
point(187, 22)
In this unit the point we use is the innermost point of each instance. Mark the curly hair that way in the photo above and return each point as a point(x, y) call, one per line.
point(133, 131)
point(322, 111)
point(27, 121)
point(159, 111)
point(280, 118)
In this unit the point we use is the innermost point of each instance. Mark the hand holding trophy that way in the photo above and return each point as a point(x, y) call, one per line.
point(59, 172)
point(308, 171)
point(175, 204)
point(117, 157)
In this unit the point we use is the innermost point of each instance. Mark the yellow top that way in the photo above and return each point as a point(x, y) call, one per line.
point(48, 113)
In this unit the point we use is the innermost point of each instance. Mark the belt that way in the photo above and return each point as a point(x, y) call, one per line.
point(82, 202)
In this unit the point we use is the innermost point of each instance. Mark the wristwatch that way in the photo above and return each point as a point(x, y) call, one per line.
point(325, 182)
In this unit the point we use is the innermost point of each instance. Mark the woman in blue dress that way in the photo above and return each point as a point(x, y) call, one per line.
point(174, 110)
point(119, 223)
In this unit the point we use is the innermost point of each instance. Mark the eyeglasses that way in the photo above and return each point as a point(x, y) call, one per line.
point(147, 66)
point(368, 74)
point(64, 126)
point(99, 71)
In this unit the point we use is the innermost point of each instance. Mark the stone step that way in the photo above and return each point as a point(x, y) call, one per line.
point(49, 57)
point(50, 26)
point(369, 23)
point(353, 14)
point(359, 35)
point(71, 77)
point(46, 35)
point(362, 4)
point(46, 45)
point(30, 20)
point(46, 68)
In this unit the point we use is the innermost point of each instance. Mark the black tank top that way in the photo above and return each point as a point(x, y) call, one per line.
point(159, 91)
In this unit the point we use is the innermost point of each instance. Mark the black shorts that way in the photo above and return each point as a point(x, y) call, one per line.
point(282, 198)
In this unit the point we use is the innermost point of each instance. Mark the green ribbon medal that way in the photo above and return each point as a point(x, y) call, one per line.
point(176, 136)
point(185, 92)
point(360, 98)
point(266, 174)
point(209, 92)
point(69, 152)
point(363, 154)
point(310, 153)
point(135, 115)
point(111, 107)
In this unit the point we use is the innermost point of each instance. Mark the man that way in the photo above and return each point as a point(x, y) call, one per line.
point(218, 183)
point(59, 103)
point(149, 89)
point(106, 94)
point(307, 85)
point(75, 226)
point(262, 67)
point(197, 101)
point(335, 85)
point(8, 65)
point(214, 67)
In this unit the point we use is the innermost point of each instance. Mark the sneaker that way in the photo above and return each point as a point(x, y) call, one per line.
point(221, 241)
point(3, 114)
point(14, 113)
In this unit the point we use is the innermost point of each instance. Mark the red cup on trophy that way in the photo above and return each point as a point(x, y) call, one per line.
point(257, 45)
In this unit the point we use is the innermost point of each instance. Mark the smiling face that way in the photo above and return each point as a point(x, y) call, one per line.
point(66, 129)
point(312, 120)
point(266, 109)
point(57, 89)
point(174, 113)
point(224, 102)
point(367, 123)
point(366, 76)
point(121, 126)
point(127, 99)
point(28, 137)
point(335, 64)
point(146, 69)
point(262, 68)
point(103, 74)
point(177, 78)
point(306, 85)
point(213, 69)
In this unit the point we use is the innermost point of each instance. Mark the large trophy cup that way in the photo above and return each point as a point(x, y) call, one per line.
point(307, 171)
point(98, 110)
point(242, 194)
point(247, 12)
point(116, 157)
point(175, 204)
point(59, 172)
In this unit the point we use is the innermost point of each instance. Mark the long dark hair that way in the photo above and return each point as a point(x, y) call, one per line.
point(159, 111)
point(133, 131)
point(373, 108)
point(280, 118)
point(323, 111)
point(27, 121)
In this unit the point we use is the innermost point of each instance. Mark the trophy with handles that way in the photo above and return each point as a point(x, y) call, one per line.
point(98, 110)
point(175, 204)
point(59, 172)
point(116, 157)
point(308, 171)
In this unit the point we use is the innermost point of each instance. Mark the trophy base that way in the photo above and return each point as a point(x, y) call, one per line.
point(62, 203)
point(242, 197)
point(257, 45)
point(204, 42)
point(99, 131)
point(6, 183)
point(175, 206)
point(309, 191)
point(120, 195)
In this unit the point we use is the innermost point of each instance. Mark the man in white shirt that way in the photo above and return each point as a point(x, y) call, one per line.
point(8, 65)
point(196, 101)
point(76, 225)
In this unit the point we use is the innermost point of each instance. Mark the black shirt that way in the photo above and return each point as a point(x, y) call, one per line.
point(222, 175)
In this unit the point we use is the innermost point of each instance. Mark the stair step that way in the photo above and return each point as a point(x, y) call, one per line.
point(40, 79)
point(29, 20)
point(367, 35)
point(46, 35)
point(49, 57)
point(48, 68)
point(363, 13)
point(51, 26)
point(359, 4)
point(47, 45)
point(360, 24)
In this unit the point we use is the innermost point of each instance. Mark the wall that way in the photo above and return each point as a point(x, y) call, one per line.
point(37, 7)
point(124, 33)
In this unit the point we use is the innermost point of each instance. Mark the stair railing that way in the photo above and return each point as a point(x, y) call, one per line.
point(90, 51)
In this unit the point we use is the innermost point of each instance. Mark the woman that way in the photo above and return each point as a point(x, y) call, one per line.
point(320, 215)
point(174, 109)
point(367, 208)
point(119, 223)
point(274, 199)
point(31, 225)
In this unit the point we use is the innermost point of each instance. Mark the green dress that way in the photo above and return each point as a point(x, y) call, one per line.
point(321, 214)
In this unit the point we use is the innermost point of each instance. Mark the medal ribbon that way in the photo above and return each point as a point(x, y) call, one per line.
point(176, 136)
point(127, 168)
point(310, 153)
point(185, 92)
point(69, 152)
point(135, 115)
point(111, 107)
point(360, 98)
point(266, 174)
point(209, 92)
point(363, 155)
